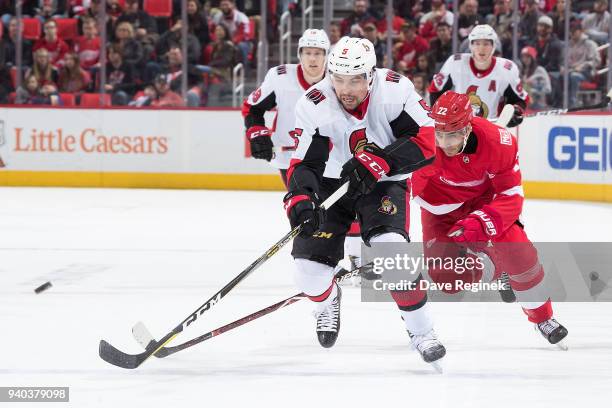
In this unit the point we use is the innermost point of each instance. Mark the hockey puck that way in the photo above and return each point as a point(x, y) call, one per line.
point(594, 276)
point(43, 287)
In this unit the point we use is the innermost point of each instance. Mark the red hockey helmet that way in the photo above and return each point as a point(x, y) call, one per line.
point(452, 111)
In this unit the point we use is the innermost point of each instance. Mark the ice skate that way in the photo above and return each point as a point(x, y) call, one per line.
point(554, 332)
point(328, 322)
point(429, 347)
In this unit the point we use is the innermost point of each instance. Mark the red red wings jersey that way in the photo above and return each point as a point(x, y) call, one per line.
point(488, 90)
point(281, 88)
point(487, 170)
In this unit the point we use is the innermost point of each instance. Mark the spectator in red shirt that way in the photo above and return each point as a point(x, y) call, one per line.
point(165, 96)
point(51, 42)
point(429, 22)
point(87, 46)
point(73, 78)
point(410, 48)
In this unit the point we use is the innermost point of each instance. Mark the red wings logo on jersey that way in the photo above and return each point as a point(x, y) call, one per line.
point(393, 77)
point(256, 95)
point(315, 96)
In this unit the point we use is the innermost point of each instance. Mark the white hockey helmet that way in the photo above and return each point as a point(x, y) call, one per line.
point(313, 38)
point(483, 32)
point(352, 56)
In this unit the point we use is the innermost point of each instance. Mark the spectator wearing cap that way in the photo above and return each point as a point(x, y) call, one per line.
point(8, 47)
point(534, 78)
point(550, 55)
point(597, 24)
point(410, 48)
point(370, 33)
point(87, 46)
point(51, 42)
point(353, 24)
point(441, 47)
point(529, 20)
point(468, 18)
point(428, 24)
point(583, 59)
point(165, 97)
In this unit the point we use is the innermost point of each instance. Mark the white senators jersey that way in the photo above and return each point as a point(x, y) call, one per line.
point(488, 90)
point(281, 88)
point(392, 114)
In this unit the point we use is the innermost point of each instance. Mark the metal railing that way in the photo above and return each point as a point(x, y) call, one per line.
point(284, 45)
point(237, 85)
point(307, 14)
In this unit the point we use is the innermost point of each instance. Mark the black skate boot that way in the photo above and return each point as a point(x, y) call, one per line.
point(553, 331)
point(507, 294)
point(429, 347)
point(328, 322)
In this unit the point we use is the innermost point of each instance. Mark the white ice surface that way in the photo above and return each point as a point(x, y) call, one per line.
point(119, 256)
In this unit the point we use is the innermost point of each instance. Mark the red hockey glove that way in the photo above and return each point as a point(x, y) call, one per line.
point(364, 170)
point(477, 228)
point(261, 142)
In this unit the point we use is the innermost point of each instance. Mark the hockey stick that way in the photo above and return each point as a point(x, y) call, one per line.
point(508, 110)
point(116, 357)
point(147, 341)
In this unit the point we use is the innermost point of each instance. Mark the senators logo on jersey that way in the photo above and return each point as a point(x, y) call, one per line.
point(315, 96)
point(358, 141)
point(387, 206)
point(479, 107)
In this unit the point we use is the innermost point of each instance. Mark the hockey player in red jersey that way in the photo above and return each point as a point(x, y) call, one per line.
point(371, 128)
point(281, 89)
point(471, 197)
point(489, 81)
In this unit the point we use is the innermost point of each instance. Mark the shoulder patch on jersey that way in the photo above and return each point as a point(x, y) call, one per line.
point(393, 76)
point(281, 70)
point(505, 137)
point(508, 65)
point(457, 57)
point(315, 96)
point(256, 95)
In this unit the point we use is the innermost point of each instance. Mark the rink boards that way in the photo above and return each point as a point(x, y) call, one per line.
point(566, 157)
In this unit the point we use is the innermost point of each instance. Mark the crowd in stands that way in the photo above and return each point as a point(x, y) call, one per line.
point(61, 50)
point(422, 39)
point(62, 45)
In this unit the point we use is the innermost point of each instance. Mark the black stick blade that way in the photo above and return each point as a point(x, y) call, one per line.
point(118, 358)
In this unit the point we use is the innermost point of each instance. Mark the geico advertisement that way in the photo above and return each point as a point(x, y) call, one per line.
point(568, 148)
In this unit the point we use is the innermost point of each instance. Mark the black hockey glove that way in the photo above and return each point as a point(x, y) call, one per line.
point(364, 170)
point(517, 117)
point(261, 142)
point(302, 206)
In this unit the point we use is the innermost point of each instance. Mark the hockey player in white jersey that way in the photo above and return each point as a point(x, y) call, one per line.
point(490, 82)
point(369, 127)
point(281, 89)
